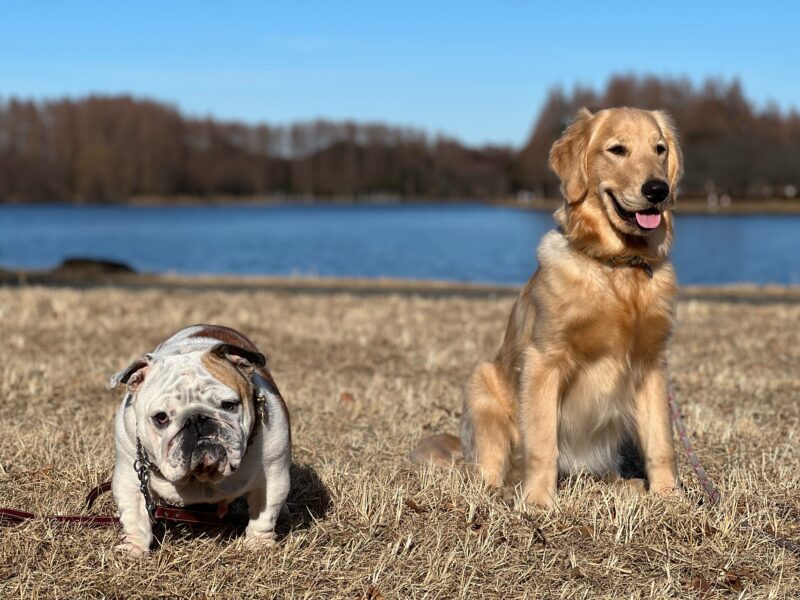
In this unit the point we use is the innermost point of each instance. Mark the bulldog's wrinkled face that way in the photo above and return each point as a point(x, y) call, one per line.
point(194, 426)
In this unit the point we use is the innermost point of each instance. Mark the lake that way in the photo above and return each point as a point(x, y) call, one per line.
point(466, 242)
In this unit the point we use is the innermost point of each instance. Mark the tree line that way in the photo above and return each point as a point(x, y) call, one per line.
point(108, 149)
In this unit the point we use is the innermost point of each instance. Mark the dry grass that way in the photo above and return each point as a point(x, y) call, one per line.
point(364, 522)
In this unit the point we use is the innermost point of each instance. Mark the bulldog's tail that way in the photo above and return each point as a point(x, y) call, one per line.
point(442, 449)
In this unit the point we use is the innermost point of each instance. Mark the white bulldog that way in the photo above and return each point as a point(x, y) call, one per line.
point(203, 419)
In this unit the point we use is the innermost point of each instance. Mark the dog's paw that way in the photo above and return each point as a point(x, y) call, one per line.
point(668, 491)
point(259, 540)
point(131, 549)
point(539, 497)
point(634, 487)
point(504, 494)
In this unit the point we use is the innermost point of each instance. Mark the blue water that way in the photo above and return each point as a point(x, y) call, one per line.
point(470, 242)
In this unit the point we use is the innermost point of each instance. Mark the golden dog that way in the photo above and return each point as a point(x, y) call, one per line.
point(582, 367)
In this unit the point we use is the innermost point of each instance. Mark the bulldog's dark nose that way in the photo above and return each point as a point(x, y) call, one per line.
point(204, 425)
point(655, 190)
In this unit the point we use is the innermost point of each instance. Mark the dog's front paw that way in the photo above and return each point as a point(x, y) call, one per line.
point(633, 487)
point(132, 548)
point(539, 496)
point(668, 491)
point(260, 540)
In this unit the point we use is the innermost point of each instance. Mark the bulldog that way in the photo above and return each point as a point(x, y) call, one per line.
point(202, 421)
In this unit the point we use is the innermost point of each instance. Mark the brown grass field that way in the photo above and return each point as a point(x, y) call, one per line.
point(365, 376)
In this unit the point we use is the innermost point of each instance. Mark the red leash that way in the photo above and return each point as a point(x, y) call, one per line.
point(11, 516)
point(711, 491)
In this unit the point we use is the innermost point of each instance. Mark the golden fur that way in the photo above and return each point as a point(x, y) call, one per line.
point(582, 367)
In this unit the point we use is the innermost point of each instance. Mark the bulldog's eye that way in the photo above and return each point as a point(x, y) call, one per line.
point(229, 405)
point(660, 149)
point(160, 419)
point(618, 149)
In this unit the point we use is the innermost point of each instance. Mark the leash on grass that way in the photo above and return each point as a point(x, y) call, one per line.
point(157, 511)
point(711, 490)
point(11, 516)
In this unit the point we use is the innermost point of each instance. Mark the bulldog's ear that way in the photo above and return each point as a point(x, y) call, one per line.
point(133, 375)
point(568, 156)
point(244, 360)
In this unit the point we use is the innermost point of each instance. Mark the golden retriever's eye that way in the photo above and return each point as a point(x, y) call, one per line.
point(660, 149)
point(618, 149)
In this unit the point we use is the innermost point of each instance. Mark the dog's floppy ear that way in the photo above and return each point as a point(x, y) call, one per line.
point(244, 360)
point(568, 156)
point(132, 375)
point(674, 154)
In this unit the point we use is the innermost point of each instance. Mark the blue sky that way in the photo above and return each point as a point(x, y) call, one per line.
point(477, 71)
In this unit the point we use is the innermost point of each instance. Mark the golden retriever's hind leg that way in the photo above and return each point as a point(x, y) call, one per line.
point(488, 429)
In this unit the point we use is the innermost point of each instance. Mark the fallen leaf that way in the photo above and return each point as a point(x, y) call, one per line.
point(373, 593)
point(450, 507)
point(584, 531)
point(734, 578)
point(701, 585)
point(414, 506)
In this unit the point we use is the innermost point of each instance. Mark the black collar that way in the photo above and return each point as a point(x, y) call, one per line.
point(631, 261)
point(617, 261)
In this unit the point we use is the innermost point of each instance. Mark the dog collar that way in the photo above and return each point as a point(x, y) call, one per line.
point(631, 261)
point(260, 400)
point(142, 466)
point(616, 261)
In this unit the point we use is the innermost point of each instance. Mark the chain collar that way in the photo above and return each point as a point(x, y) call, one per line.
point(143, 466)
point(260, 400)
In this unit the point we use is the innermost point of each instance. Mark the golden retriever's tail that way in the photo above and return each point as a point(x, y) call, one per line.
point(442, 449)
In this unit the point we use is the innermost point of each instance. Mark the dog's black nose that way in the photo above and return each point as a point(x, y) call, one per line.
point(203, 424)
point(655, 190)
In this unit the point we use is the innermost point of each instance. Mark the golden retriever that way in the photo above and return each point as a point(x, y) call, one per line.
point(582, 367)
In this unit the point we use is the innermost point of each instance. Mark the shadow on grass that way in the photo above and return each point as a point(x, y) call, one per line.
point(632, 464)
point(308, 501)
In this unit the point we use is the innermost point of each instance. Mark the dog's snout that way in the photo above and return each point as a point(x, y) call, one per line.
point(202, 425)
point(655, 190)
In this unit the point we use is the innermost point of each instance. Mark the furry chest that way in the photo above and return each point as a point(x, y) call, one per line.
point(633, 331)
point(596, 413)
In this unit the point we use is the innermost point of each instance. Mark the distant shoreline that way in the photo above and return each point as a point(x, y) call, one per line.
point(93, 274)
point(690, 206)
point(684, 206)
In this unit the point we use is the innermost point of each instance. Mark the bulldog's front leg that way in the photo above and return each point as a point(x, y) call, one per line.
point(137, 532)
point(264, 505)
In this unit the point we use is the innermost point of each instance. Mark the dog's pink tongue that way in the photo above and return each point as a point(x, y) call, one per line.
point(647, 220)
